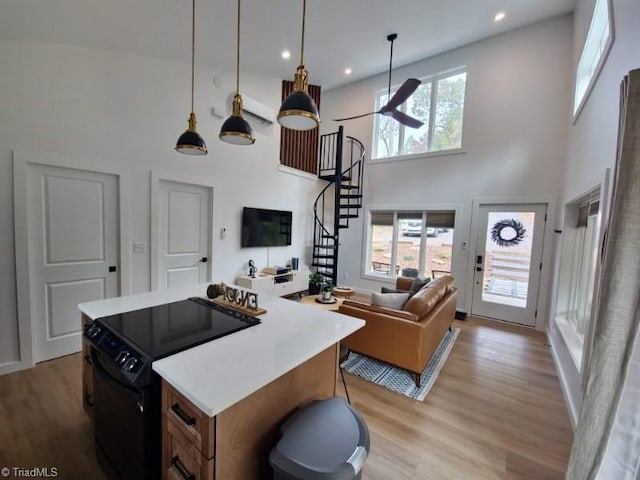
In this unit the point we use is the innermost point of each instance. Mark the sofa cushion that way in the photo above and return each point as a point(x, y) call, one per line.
point(390, 300)
point(352, 306)
point(427, 298)
point(418, 284)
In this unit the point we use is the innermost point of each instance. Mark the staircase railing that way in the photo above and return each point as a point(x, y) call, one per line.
point(332, 213)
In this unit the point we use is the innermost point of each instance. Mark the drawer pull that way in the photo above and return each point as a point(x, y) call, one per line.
point(183, 415)
point(182, 470)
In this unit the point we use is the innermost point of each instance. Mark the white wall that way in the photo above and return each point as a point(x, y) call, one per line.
point(515, 138)
point(127, 112)
point(593, 142)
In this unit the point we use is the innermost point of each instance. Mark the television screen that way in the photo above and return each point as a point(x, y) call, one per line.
point(265, 228)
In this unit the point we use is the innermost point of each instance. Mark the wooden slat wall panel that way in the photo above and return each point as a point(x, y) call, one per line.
point(300, 149)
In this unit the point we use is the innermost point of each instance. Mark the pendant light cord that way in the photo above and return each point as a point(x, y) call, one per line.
point(304, 14)
point(193, 49)
point(238, 54)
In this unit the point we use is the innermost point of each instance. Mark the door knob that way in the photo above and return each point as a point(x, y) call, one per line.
point(113, 268)
point(204, 259)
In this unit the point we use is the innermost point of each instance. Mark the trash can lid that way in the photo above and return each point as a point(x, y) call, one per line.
point(326, 437)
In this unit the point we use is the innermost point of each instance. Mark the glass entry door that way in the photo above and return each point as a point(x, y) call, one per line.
point(508, 261)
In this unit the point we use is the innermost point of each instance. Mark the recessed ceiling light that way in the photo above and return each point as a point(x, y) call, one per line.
point(499, 16)
point(347, 71)
point(286, 54)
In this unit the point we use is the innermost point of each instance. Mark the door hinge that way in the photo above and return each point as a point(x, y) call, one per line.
point(545, 217)
point(535, 315)
point(540, 265)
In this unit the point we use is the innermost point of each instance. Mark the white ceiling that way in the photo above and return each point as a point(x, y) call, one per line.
point(340, 33)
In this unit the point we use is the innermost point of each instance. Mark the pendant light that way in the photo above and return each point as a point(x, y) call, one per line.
point(236, 129)
point(299, 111)
point(190, 142)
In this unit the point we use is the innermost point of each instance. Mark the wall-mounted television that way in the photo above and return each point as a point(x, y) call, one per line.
point(265, 228)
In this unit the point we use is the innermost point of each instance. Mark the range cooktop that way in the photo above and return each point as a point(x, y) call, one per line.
point(163, 330)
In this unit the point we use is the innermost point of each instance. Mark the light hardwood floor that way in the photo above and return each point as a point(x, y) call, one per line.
point(495, 412)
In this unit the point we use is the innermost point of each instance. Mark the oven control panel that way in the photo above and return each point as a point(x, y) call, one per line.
point(120, 353)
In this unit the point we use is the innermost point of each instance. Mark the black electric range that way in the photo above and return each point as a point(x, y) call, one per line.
point(127, 392)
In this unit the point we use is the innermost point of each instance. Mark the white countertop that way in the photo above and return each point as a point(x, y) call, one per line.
point(219, 373)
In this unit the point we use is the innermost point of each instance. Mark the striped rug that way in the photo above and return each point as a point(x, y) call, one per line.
point(400, 380)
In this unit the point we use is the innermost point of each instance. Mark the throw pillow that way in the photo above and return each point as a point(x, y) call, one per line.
point(390, 300)
point(418, 283)
point(391, 290)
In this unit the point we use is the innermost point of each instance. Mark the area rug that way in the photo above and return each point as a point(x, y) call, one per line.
point(398, 379)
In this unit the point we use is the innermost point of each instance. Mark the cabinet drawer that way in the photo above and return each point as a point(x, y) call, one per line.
point(182, 460)
point(196, 427)
point(283, 288)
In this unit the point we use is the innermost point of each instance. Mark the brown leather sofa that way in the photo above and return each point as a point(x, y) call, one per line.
point(405, 338)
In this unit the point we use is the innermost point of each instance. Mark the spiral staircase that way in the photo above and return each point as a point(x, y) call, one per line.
point(341, 164)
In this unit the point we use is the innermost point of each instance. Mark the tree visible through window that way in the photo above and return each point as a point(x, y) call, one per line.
point(439, 103)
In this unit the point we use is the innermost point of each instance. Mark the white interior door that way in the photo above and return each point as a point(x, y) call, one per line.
point(184, 234)
point(508, 261)
point(73, 252)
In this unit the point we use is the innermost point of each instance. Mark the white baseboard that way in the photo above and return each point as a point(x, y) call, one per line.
point(571, 407)
point(11, 367)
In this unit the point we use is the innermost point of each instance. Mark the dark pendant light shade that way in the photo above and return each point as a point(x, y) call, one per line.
point(299, 111)
point(235, 129)
point(190, 142)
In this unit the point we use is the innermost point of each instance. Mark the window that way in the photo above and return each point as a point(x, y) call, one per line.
point(410, 243)
point(439, 103)
point(579, 261)
point(596, 46)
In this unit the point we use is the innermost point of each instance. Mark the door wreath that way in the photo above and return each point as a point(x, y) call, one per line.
point(508, 232)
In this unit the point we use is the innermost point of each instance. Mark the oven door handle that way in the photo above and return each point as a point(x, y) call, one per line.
point(102, 372)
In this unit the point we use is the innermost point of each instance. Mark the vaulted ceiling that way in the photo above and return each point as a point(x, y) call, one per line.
point(340, 33)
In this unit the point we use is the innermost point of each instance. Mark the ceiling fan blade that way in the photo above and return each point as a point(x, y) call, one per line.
point(405, 91)
point(405, 119)
point(354, 117)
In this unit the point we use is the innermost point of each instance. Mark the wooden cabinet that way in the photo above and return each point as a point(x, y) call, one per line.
point(281, 285)
point(235, 444)
point(188, 438)
point(87, 373)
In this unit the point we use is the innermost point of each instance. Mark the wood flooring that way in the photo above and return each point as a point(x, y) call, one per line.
point(495, 412)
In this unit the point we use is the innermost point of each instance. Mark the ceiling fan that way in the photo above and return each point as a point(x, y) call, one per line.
point(404, 92)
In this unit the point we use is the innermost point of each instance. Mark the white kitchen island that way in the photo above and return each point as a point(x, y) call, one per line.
point(239, 387)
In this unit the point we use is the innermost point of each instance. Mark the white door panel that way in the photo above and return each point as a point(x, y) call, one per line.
point(177, 277)
point(184, 234)
point(73, 220)
point(73, 241)
point(508, 261)
point(62, 299)
point(184, 222)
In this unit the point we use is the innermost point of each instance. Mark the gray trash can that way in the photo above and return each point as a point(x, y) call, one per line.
point(324, 440)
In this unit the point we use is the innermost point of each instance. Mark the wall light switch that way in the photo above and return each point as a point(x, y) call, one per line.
point(139, 247)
